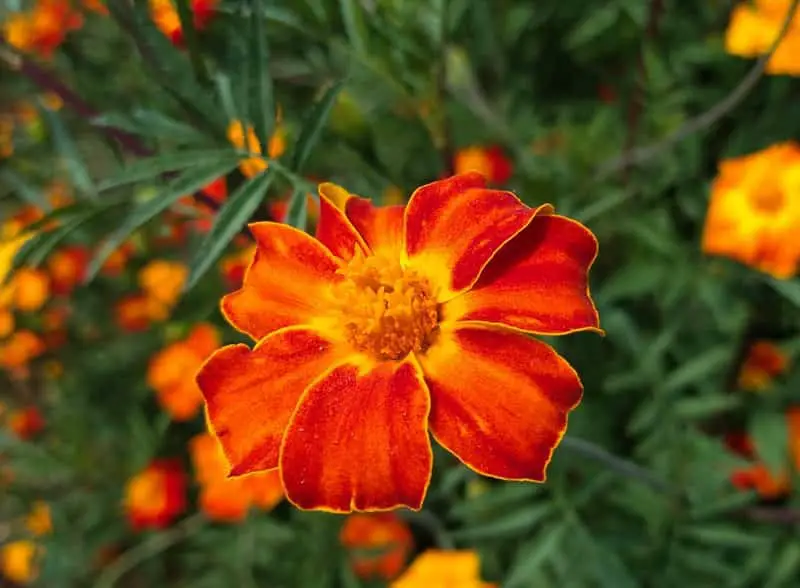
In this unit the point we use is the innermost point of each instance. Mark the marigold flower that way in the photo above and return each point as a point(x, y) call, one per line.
point(753, 29)
point(19, 349)
point(763, 363)
point(115, 263)
point(443, 569)
point(246, 139)
point(754, 213)
point(18, 561)
point(137, 312)
point(490, 162)
point(67, 267)
point(165, 17)
point(156, 496)
point(39, 521)
point(42, 29)
point(379, 544)
point(170, 372)
point(393, 322)
point(26, 422)
point(163, 280)
point(31, 289)
point(228, 499)
point(7, 322)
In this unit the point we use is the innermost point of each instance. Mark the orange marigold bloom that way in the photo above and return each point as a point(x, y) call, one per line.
point(26, 423)
point(490, 162)
point(42, 29)
point(115, 264)
point(7, 322)
point(165, 17)
point(31, 289)
point(228, 499)
point(246, 139)
point(18, 561)
point(19, 349)
point(163, 280)
point(170, 372)
point(754, 213)
point(443, 569)
point(763, 363)
point(379, 544)
point(39, 521)
point(156, 496)
point(396, 321)
point(67, 268)
point(137, 312)
point(753, 29)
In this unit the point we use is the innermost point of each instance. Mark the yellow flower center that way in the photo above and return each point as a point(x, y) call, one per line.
point(386, 310)
point(768, 200)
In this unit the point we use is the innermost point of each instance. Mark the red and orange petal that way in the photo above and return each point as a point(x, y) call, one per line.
point(500, 400)
point(454, 227)
point(156, 496)
point(538, 282)
point(67, 268)
point(763, 363)
point(379, 544)
point(26, 423)
point(287, 283)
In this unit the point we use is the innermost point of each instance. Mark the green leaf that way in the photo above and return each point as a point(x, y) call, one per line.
point(698, 369)
point(724, 535)
point(62, 140)
point(149, 123)
point(770, 434)
point(354, 25)
point(705, 406)
point(789, 289)
point(225, 93)
point(260, 93)
point(594, 24)
point(518, 522)
point(230, 219)
point(534, 554)
point(30, 194)
point(187, 183)
point(312, 127)
point(154, 167)
point(297, 213)
point(785, 567)
point(186, 16)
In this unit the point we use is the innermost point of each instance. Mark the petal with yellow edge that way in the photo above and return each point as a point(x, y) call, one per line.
point(453, 227)
point(288, 282)
point(380, 226)
point(359, 440)
point(538, 282)
point(251, 395)
point(334, 229)
point(499, 400)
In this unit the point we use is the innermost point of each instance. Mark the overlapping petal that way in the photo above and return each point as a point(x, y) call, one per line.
point(537, 282)
point(251, 395)
point(380, 226)
point(499, 400)
point(288, 282)
point(334, 229)
point(359, 440)
point(453, 228)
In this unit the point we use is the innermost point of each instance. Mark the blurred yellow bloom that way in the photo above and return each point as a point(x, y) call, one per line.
point(754, 213)
point(38, 521)
point(443, 569)
point(18, 561)
point(246, 139)
point(753, 29)
point(162, 280)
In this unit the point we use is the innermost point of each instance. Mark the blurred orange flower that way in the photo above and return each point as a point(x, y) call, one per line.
point(44, 28)
point(39, 521)
point(7, 321)
point(137, 312)
point(396, 321)
point(18, 561)
point(754, 213)
point(443, 569)
point(764, 361)
point(156, 496)
point(26, 422)
point(163, 280)
point(115, 264)
point(228, 499)
point(753, 29)
point(234, 265)
point(31, 288)
point(379, 544)
point(166, 18)
point(171, 372)
point(19, 349)
point(246, 139)
point(490, 162)
point(67, 268)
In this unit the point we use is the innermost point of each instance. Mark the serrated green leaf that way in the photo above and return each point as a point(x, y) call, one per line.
point(260, 92)
point(63, 143)
point(187, 183)
point(770, 434)
point(154, 167)
point(518, 522)
point(313, 125)
point(230, 219)
point(297, 213)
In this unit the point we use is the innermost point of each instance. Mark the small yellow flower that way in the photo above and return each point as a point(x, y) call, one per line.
point(18, 561)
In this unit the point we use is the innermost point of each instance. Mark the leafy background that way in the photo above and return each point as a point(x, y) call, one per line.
point(384, 93)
